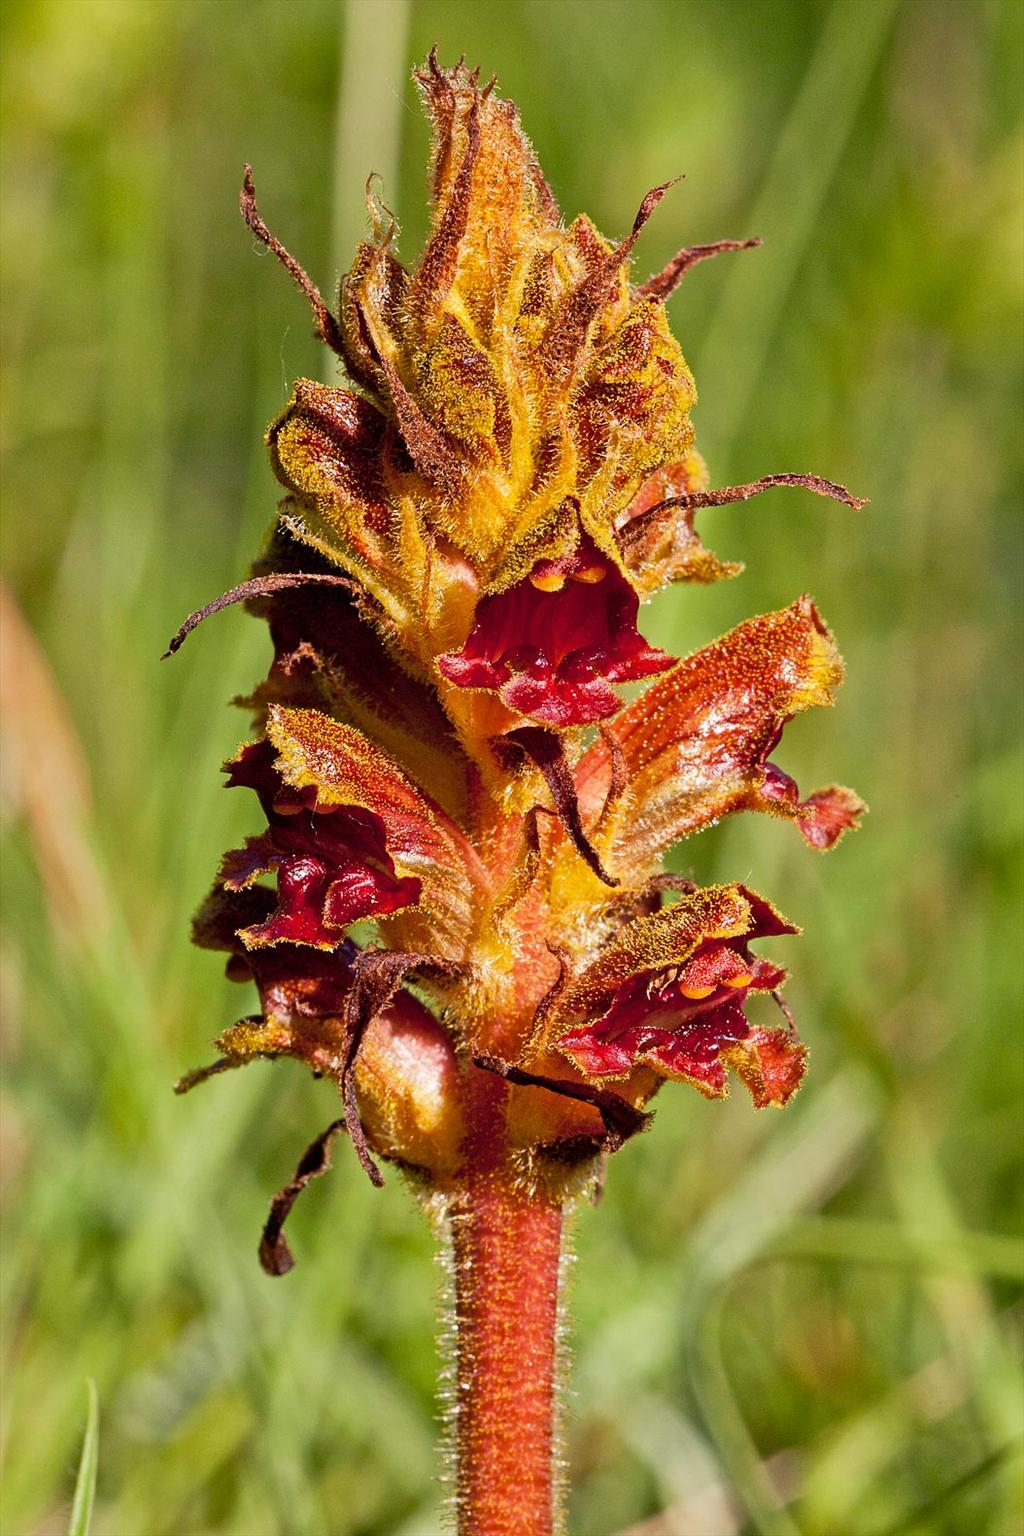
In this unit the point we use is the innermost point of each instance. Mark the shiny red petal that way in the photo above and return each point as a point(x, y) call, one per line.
point(553, 643)
point(669, 993)
point(346, 770)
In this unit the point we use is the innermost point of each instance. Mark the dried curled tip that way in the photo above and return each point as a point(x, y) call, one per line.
point(276, 1257)
point(190, 1080)
point(326, 325)
point(258, 586)
point(643, 214)
point(730, 493)
point(664, 283)
point(545, 751)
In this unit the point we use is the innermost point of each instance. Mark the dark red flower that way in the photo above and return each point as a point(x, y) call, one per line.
point(677, 1020)
point(331, 861)
point(291, 981)
point(553, 644)
point(680, 1009)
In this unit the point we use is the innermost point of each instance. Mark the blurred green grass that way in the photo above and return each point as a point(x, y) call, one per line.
point(802, 1323)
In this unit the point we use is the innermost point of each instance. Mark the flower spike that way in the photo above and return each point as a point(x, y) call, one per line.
point(453, 597)
point(452, 905)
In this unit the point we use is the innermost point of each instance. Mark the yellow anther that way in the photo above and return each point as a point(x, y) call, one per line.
point(696, 993)
point(592, 575)
point(547, 581)
point(742, 980)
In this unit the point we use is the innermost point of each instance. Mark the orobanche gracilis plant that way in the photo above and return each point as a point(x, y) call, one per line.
point(441, 756)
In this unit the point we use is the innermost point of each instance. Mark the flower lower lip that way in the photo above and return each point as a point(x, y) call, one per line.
point(581, 666)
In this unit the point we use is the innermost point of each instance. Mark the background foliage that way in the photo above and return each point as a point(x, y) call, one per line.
point(783, 1323)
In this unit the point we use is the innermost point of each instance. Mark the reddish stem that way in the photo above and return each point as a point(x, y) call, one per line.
point(506, 1252)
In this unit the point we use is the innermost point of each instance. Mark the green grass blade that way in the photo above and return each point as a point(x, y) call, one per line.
point(811, 142)
point(85, 1485)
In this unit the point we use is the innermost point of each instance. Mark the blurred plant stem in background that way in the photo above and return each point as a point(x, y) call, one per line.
point(374, 74)
point(806, 1324)
point(802, 164)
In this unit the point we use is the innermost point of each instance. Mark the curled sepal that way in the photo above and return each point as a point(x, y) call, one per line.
point(669, 992)
point(664, 283)
point(696, 745)
point(341, 768)
point(276, 1257)
point(544, 749)
point(620, 1118)
point(325, 323)
point(250, 591)
point(658, 541)
point(666, 547)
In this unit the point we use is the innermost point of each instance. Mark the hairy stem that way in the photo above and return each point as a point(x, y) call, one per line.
point(506, 1249)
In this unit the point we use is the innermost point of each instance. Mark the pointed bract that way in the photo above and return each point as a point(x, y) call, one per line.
point(696, 745)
